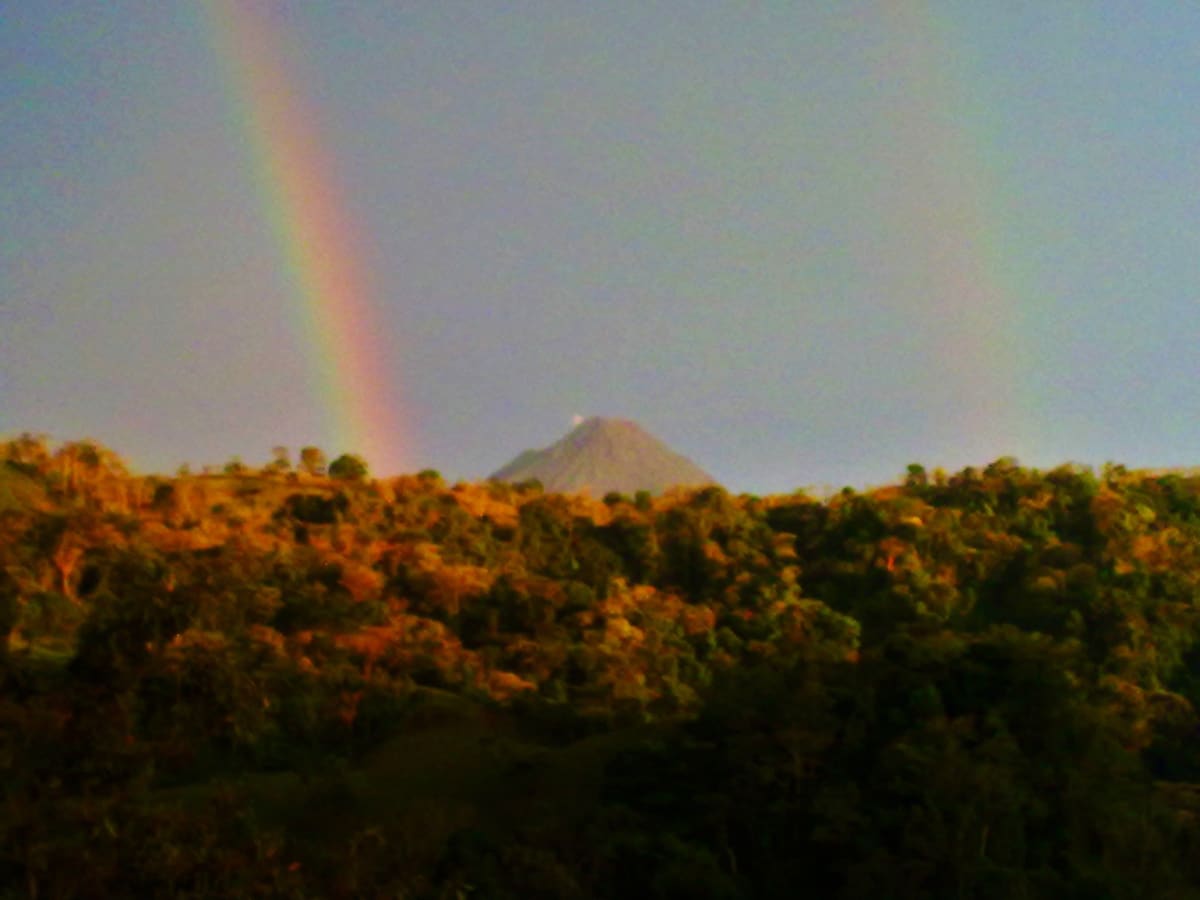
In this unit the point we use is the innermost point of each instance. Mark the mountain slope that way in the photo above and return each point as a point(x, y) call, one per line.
point(602, 455)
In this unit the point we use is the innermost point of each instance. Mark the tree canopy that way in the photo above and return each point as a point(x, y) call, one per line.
point(980, 684)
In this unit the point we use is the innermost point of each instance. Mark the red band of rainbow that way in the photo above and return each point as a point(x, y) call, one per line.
point(317, 241)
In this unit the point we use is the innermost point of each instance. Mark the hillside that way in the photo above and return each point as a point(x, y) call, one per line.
point(602, 455)
point(278, 683)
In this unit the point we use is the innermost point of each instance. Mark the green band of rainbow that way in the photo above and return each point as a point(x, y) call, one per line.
point(317, 241)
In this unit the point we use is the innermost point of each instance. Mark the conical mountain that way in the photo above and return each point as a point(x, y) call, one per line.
point(602, 455)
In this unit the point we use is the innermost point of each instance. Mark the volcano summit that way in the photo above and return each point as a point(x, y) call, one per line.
point(601, 455)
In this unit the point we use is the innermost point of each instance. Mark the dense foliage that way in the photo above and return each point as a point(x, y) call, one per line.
point(308, 683)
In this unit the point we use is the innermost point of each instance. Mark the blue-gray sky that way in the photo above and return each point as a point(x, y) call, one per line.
point(805, 244)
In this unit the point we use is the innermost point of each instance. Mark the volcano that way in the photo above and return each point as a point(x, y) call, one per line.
point(601, 455)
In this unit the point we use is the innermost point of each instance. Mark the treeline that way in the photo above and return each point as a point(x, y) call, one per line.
point(294, 682)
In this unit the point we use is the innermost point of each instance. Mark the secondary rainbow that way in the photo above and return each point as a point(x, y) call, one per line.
point(945, 250)
point(317, 240)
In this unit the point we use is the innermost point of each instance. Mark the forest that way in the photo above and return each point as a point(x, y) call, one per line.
point(296, 680)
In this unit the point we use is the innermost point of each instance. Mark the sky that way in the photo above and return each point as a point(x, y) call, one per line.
point(804, 244)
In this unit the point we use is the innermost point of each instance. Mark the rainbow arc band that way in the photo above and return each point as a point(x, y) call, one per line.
point(318, 243)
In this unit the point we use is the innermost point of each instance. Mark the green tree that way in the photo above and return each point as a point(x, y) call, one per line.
point(348, 467)
point(133, 616)
point(916, 477)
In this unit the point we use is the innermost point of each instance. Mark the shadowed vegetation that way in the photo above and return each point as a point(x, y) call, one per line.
point(309, 683)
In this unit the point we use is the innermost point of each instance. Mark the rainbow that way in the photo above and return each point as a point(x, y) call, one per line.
point(943, 239)
point(317, 240)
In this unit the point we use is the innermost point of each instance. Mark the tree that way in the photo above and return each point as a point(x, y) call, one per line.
point(10, 608)
point(29, 452)
point(917, 477)
point(89, 471)
point(348, 467)
point(281, 460)
point(312, 460)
